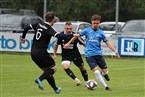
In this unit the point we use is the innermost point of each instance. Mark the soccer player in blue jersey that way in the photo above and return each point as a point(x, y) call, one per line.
point(93, 52)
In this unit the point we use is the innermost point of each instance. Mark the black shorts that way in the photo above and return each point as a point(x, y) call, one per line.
point(43, 60)
point(78, 61)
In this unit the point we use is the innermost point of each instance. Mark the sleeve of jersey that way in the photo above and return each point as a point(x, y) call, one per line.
point(81, 41)
point(105, 39)
point(61, 35)
point(26, 29)
point(57, 41)
point(82, 32)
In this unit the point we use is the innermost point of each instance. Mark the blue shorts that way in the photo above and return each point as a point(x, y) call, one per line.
point(97, 60)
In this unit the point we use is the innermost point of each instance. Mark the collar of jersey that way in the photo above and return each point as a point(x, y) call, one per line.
point(47, 23)
point(67, 33)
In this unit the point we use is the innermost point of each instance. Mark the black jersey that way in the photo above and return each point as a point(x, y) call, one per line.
point(42, 36)
point(72, 51)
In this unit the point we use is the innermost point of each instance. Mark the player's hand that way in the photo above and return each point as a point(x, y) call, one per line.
point(66, 45)
point(76, 35)
point(22, 40)
point(54, 57)
point(117, 55)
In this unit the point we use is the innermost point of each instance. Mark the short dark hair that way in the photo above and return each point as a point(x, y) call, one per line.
point(49, 16)
point(68, 23)
point(96, 17)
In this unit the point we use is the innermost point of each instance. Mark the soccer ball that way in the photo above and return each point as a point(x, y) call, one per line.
point(91, 84)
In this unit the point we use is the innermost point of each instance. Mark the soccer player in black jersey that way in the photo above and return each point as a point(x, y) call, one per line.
point(71, 54)
point(39, 54)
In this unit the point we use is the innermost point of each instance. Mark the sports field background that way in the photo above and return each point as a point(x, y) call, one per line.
point(18, 72)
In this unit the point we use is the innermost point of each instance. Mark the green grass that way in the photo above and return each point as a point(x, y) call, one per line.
point(17, 74)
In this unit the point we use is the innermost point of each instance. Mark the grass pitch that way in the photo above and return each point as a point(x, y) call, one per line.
point(18, 72)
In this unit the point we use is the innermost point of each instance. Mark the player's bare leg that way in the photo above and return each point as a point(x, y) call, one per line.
point(65, 65)
point(105, 74)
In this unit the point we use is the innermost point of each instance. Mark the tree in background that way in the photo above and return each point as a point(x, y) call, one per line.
point(74, 10)
point(82, 10)
point(132, 9)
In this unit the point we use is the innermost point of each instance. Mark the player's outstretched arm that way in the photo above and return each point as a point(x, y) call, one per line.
point(55, 50)
point(72, 39)
point(112, 48)
point(22, 40)
point(26, 29)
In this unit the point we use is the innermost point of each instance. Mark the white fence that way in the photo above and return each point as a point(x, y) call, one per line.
point(11, 42)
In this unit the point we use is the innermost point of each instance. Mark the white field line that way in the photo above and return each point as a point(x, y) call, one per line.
point(124, 68)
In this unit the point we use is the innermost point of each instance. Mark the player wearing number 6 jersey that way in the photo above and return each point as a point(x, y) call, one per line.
point(39, 54)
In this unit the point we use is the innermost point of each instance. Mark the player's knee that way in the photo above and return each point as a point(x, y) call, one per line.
point(54, 68)
point(65, 66)
point(82, 68)
point(95, 68)
point(97, 72)
point(105, 71)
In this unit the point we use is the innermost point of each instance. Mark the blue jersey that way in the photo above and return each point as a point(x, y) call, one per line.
point(93, 41)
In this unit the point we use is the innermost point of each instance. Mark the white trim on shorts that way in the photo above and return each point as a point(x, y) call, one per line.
point(65, 62)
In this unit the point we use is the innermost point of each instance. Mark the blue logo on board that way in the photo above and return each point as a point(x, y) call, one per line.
point(132, 45)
